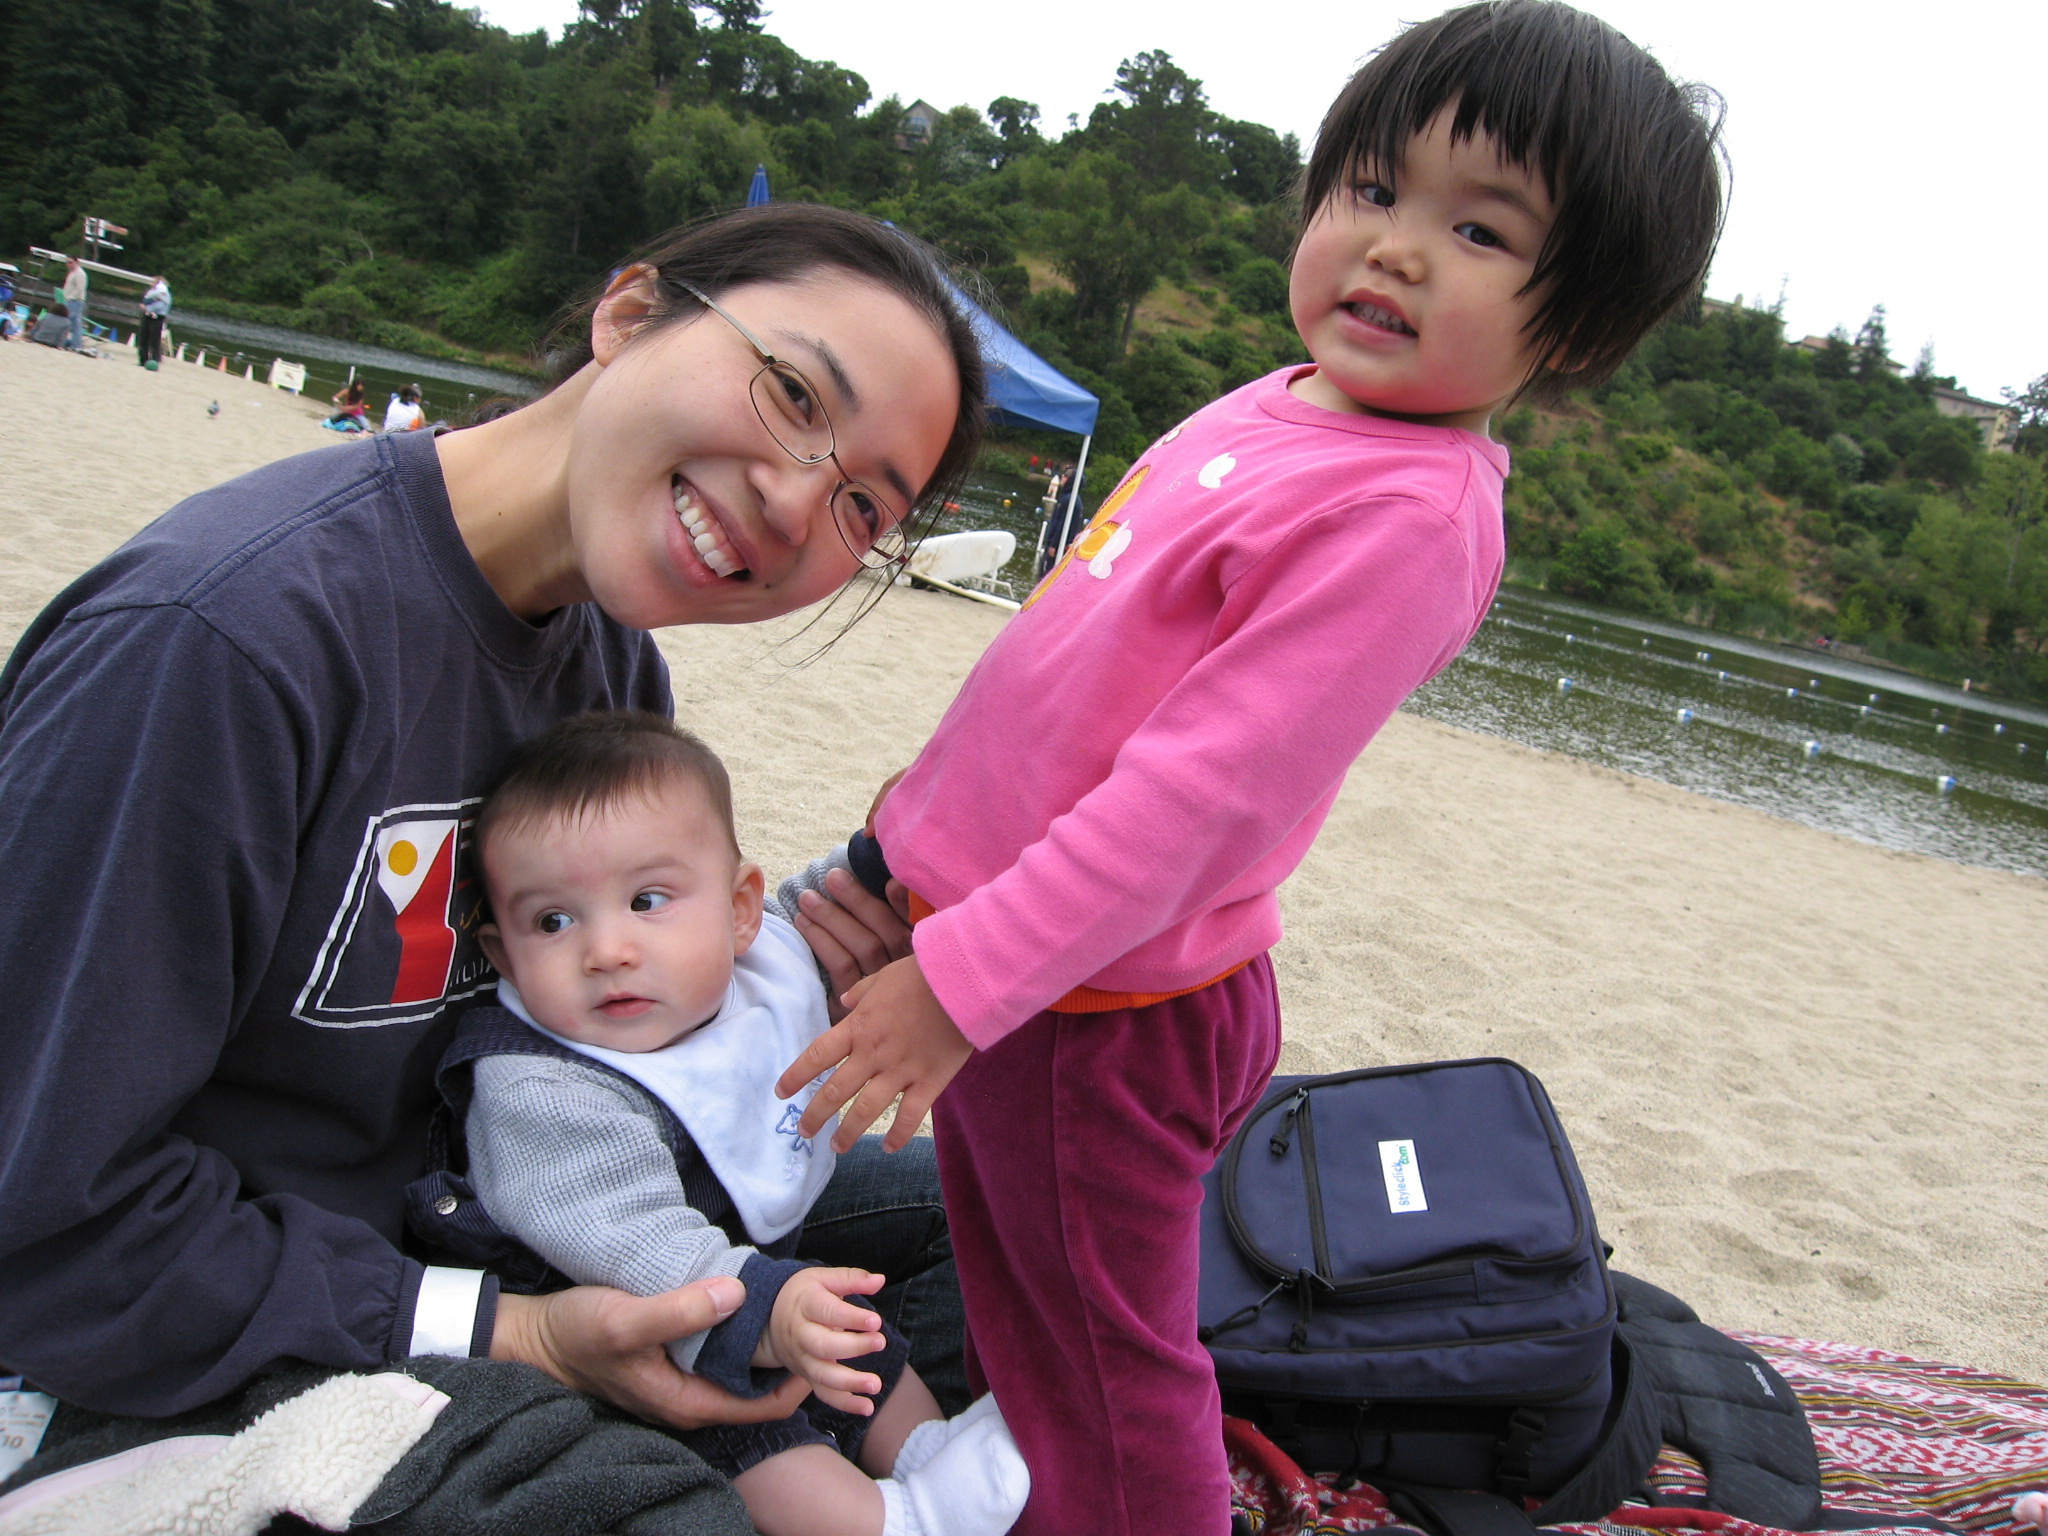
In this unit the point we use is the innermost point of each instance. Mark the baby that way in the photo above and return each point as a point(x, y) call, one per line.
point(621, 1125)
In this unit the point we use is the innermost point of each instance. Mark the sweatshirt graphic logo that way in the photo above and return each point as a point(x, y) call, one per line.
point(403, 939)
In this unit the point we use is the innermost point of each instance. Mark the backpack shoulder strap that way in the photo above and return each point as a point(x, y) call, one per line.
point(1723, 1404)
point(1628, 1447)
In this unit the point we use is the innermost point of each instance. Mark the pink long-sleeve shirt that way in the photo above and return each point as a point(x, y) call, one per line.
point(1149, 748)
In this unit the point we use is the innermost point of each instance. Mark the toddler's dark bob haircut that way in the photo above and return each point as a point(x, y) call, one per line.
point(588, 764)
point(1631, 159)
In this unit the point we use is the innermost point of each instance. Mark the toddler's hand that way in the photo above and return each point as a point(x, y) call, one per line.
point(896, 1038)
point(812, 1329)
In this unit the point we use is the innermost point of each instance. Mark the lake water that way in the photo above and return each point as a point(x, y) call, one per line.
point(1874, 754)
point(449, 388)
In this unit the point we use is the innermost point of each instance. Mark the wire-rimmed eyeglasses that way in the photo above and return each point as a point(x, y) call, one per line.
point(792, 410)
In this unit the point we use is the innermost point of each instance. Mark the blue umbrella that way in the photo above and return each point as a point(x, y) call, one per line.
point(757, 194)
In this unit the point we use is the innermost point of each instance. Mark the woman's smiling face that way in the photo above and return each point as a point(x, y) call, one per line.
point(683, 509)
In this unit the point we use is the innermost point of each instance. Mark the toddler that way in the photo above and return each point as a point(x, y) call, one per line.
point(621, 1126)
point(1503, 198)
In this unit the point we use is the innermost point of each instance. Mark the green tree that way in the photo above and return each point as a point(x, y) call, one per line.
point(2030, 417)
point(696, 159)
point(1263, 164)
point(1016, 126)
point(1600, 564)
point(1948, 452)
point(1873, 352)
point(1110, 238)
point(1163, 125)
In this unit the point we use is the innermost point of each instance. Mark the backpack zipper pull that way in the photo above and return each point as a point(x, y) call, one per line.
point(1278, 1141)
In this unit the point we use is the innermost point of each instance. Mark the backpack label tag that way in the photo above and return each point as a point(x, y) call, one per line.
point(1403, 1176)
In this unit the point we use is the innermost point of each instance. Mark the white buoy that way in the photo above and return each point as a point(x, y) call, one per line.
point(1862, 709)
point(1945, 782)
point(1569, 637)
point(1706, 655)
point(1941, 730)
point(1564, 685)
point(1724, 677)
point(1646, 639)
point(1684, 715)
point(1813, 682)
point(1791, 693)
point(1873, 698)
point(1998, 729)
point(1812, 749)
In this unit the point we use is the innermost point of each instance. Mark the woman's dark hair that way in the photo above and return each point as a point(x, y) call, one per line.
point(781, 242)
point(352, 392)
point(1632, 160)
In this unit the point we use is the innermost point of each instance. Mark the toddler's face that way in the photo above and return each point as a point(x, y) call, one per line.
point(620, 928)
point(1410, 301)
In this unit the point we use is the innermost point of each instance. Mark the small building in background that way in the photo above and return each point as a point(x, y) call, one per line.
point(1993, 420)
point(919, 118)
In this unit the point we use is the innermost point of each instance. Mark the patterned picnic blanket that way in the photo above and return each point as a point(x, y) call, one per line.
point(1896, 1435)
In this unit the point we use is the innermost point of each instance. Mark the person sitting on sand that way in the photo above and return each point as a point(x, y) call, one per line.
point(403, 414)
point(350, 414)
point(54, 329)
point(215, 1104)
point(619, 1124)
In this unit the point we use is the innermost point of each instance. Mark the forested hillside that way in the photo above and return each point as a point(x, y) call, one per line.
point(396, 171)
point(1728, 478)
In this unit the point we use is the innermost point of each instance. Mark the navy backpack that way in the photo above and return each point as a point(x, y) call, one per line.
point(1402, 1281)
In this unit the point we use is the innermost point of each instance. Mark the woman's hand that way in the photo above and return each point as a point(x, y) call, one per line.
point(854, 933)
point(610, 1344)
point(896, 1038)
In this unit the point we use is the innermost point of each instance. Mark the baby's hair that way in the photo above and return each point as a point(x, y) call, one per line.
point(1631, 159)
point(591, 763)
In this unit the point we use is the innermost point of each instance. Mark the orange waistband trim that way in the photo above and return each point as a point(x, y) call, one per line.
point(1093, 999)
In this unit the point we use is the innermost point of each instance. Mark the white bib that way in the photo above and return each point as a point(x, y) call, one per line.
point(719, 1080)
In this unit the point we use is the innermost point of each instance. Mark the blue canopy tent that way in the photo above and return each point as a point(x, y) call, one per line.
point(1025, 390)
point(757, 191)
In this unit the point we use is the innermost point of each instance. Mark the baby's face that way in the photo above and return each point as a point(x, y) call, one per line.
point(1409, 289)
point(620, 928)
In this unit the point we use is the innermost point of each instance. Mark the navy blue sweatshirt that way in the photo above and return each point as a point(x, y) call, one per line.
point(237, 763)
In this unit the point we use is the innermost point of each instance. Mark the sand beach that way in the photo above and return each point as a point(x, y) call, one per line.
point(1807, 1078)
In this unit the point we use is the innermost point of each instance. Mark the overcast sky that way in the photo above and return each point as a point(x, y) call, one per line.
point(1883, 153)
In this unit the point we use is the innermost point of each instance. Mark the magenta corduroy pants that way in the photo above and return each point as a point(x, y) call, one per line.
point(1071, 1153)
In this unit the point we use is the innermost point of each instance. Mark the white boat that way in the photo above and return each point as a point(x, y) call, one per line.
point(959, 557)
point(965, 563)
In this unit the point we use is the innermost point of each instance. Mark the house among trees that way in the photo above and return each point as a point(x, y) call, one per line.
point(1995, 421)
point(919, 118)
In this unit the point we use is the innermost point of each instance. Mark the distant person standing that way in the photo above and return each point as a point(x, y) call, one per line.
point(404, 413)
point(74, 300)
point(156, 309)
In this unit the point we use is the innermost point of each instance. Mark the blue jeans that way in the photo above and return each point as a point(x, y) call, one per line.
point(77, 326)
point(882, 1211)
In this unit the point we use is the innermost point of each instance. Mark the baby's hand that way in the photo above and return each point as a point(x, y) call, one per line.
point(812, 1329)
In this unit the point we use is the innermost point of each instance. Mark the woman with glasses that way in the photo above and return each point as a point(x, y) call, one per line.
point(238, 758)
